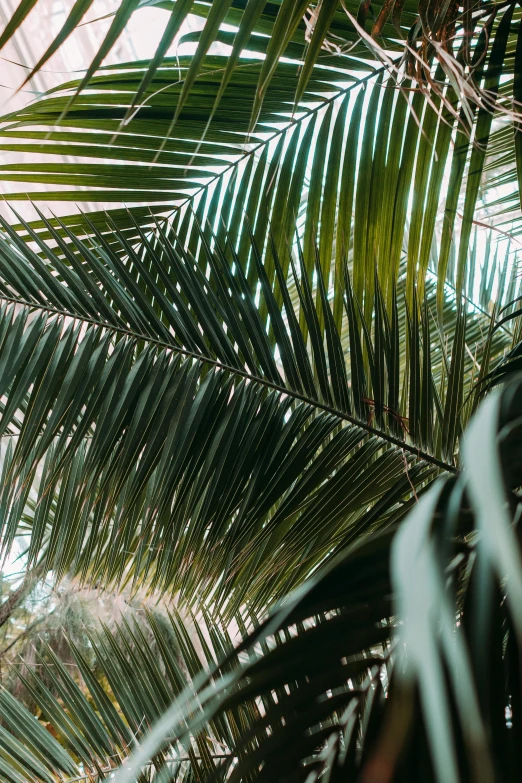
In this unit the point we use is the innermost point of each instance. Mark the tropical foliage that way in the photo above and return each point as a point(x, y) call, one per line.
point(236, 398)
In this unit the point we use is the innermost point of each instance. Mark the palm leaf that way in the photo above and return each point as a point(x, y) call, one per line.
point(272, 186)
point(283, 21)
point(358, 692)
point(99, 716)
point(174, 449)
point(171, 407)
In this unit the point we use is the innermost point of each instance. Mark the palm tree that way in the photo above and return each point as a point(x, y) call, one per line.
point(244, 395)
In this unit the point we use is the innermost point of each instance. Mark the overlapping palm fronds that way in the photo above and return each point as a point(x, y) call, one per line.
point(406, 37)
point(247, 382)
point(331, 684)
point(345, 689)
point(198, 438)
point(349, 184)
point(94, 710)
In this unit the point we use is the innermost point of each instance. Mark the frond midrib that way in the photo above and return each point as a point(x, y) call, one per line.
point(413, 450)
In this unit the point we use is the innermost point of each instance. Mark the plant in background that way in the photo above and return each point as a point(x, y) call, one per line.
point(237, 397)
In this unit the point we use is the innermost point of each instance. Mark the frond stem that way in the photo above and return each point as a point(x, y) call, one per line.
point(294, 121)
point(418, 453)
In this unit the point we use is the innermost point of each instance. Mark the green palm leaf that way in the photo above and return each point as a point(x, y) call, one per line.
point(168, 406)
point(173, 447)
point(349, 697)
point(265, 174)
point(246, 383)
point(95, 725)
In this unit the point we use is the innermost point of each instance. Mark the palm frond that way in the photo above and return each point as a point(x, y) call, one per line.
point(167, 442)
point(170, 425)
point(93, 712)
point(346, 690)
point(293, 29)
point(372, 193)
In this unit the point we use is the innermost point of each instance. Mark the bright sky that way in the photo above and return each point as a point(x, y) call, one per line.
point(138, 41)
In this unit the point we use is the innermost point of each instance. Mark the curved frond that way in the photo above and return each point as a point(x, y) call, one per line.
point(371, 190)
point(174, 436)
point(346, 689)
